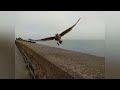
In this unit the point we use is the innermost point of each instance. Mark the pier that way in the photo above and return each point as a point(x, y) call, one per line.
point(45, 62)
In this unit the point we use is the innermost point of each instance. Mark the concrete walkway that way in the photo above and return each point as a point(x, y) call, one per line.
point(51, 62)
point(21, 71)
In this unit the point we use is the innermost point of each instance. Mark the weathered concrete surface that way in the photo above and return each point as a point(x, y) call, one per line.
point(21, 71)
point(55, 63)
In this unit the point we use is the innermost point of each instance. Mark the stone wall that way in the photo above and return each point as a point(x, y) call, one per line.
point(43, 67)
point(39, 66)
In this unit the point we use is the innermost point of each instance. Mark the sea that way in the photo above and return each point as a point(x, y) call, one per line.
point(92, 47)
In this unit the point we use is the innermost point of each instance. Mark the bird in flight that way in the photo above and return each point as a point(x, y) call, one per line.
point(57, 36)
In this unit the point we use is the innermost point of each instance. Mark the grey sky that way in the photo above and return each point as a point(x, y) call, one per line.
point(41, 24)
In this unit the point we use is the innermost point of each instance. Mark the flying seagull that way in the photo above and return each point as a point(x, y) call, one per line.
point(57, 36)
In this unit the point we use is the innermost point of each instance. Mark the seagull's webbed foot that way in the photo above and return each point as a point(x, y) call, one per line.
point(58, 44)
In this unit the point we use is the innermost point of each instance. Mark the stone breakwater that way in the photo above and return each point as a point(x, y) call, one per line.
point(45, 62)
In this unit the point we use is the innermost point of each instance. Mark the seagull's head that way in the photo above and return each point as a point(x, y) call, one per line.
point(56, 34)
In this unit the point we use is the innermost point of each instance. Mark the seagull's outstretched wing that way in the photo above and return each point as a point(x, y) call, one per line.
point(48, 38)
point(69, 29)
point(44, 39)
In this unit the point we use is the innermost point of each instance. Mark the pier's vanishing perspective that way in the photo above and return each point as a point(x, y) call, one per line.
point(45, 62)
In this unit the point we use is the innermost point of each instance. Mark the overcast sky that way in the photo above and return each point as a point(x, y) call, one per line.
point(41, 24)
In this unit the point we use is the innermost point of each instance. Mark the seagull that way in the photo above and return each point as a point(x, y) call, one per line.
point(57, 36)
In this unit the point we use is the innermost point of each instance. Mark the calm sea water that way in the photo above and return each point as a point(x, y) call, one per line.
point(93, 47)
